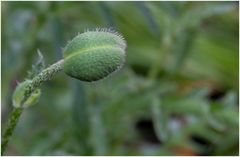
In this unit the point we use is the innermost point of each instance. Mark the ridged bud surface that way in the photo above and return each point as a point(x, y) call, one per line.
point(93, 55)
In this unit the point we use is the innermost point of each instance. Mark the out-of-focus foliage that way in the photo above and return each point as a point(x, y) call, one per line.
point(176, 95)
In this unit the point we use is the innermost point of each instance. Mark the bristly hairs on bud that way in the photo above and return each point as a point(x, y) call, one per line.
point(107, 30)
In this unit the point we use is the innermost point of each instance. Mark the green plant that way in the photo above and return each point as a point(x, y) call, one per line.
point(90, 56)
point(177, 94)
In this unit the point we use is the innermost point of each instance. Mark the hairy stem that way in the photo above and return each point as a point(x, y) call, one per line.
point(37, 81)
point(12, 122)
point(45, 75)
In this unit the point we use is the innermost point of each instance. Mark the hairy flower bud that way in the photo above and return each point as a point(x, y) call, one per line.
point(94, 55)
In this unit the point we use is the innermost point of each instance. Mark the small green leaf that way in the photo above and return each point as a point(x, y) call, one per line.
point(38, 67)
point(18, 95)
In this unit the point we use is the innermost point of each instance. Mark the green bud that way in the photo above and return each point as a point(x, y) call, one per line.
point(94, 55)
point(18, 95)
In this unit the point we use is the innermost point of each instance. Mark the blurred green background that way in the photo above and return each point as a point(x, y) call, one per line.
point(177, 94)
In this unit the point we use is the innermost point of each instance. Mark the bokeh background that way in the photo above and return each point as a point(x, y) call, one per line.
point(177, 94)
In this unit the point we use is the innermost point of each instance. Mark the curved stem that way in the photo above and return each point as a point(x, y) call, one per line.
point(37, 81)
point(45, 75)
